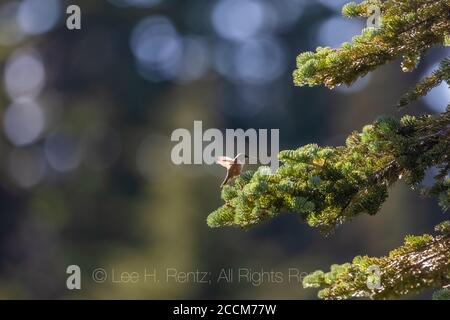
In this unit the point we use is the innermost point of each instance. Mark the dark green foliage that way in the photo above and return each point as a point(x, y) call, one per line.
point(443, 294)
point(424, 86)
point(409, 28)
point(421, 262)
point(327, 186)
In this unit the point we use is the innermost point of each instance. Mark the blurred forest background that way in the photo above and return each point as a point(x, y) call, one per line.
point(86, 118)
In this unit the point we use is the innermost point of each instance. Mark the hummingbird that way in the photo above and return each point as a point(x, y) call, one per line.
point(234, 166)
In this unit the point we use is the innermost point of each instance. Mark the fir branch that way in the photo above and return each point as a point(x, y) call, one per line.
point(443, 294)
point(408, 29)
point(428, 83)
point(422, 262)
point(327, 186)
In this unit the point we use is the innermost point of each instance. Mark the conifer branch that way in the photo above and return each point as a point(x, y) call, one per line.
point(428, 83)
point(422, 262)
point(327, 186)
point(408, 29)
point(350, 180)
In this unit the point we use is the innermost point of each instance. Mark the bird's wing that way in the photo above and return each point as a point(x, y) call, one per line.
point(225, 162)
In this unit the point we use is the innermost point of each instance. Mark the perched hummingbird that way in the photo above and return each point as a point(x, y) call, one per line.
point(234, 166)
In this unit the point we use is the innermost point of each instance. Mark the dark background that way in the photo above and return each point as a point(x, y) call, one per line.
point(86, 118)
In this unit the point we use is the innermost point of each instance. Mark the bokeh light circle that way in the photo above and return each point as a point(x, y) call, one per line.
point(23, 122)
point(24, 75)
point(63, 151)
point(437, 99)
point(238, 19)
point(38, 16)
point(336, 30)
point(157, 48)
